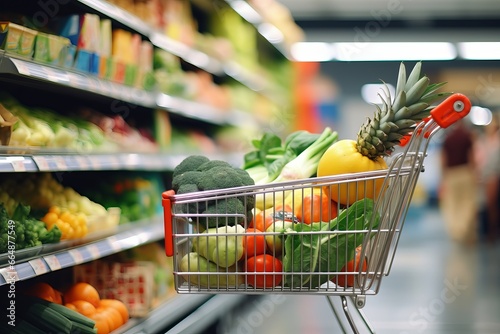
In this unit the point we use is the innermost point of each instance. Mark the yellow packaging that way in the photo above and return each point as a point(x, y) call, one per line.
point(11, 35)
point(27, 42)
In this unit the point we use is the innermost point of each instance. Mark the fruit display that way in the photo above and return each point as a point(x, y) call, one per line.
point(85, 131)
point(61, 206)
point(130, 281)
point(21, 230)
point(78, 309)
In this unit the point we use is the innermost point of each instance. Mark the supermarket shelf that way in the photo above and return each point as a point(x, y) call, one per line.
point(29, 263)
point(163, 316)
point(59, 162)
point(190, 55)
point(10, 64)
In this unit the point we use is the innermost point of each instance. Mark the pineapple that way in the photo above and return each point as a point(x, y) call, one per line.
point(378, 137)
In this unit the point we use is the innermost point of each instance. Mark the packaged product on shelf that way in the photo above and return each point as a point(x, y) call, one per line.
point(10, 36)
point(163, 287)
point(51, 49)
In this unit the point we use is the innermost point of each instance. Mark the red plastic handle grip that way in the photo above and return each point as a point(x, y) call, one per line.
point(455, 107)
point(167, 221)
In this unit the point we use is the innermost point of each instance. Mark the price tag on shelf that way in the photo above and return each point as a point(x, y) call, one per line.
point(9, 274)
point(21, 66)
point(38, 266)
point(94, 251)
point(60, 163)
point(76, 255)
point(114, 244)
point(18, 165)
point(114, 161)
point(95, 162)
point(53, 262)
point(42, 163)
point(82, 162)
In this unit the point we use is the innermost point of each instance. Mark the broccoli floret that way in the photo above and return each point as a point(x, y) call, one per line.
point(187, 188)
point(191, 163)
point(227, 206)
point(212, 164)
point(213, 175)
point(220, 178)
point(52, 236)
point(189, 177)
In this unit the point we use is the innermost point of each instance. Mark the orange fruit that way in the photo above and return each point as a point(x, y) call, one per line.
point(71, 306)
point(57, 297)
point(84, 307)
point(101, 323)
point(42, 290)
point(117, 305)
point(82, 291)
point(112, 316)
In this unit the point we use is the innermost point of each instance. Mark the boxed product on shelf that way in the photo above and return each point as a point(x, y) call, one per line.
point(52, 49)
point(130, 282)
point(16, 38)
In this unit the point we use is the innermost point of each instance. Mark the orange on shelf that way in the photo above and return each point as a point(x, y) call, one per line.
point(113, 317)
point(44, 291)
point(82, 291)
point(117, 305)
point(101, 323)
point(84, 307)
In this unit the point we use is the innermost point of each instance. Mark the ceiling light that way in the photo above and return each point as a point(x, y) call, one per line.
point(480, 116)
point(396, 51)
point(479, 50)
point(370, 92)
point(312, 51)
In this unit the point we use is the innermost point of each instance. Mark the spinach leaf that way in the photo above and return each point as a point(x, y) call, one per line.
point(312, 250)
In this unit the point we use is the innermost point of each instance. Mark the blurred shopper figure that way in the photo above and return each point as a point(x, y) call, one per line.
point(458, 200)
point(488, 162)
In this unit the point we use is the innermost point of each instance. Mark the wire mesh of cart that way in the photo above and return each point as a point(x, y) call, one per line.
point(326, 249)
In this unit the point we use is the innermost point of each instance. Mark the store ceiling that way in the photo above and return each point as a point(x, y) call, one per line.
point(403, 20)
point(399, 9)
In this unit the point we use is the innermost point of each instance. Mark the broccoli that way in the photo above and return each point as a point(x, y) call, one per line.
point(198, 173)
point(29, 232)
point(52, 236)
point(191, 163)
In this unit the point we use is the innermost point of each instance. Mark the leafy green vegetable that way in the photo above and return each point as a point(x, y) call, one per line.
point(270, 157)
point(325, 247)
point(26, 231)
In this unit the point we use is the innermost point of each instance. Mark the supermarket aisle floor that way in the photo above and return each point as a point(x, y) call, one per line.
point(435, 287)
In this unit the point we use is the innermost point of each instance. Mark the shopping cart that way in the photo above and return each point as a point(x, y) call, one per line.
point(346, 256)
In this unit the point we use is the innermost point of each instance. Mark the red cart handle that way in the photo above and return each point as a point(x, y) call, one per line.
point(167, 221)
point(455, 107)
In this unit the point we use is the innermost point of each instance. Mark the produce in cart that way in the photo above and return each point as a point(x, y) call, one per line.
point(378, 137)
point(198, 173)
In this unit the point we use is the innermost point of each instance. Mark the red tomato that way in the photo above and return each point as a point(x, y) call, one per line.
point(351, 269)
point(315, 208)
point(254, 242)
point(265, 218)
point(264, 263)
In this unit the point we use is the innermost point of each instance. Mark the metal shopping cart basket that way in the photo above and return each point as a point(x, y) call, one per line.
point(344, 255)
